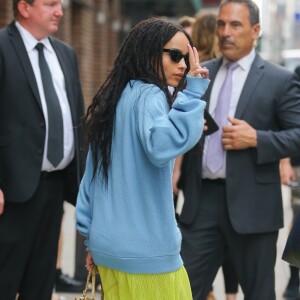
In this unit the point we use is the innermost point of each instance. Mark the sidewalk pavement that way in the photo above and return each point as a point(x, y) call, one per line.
point(281, 268)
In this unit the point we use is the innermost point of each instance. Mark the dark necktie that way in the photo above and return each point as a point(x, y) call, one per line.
point(215, 149)
point(55, 121)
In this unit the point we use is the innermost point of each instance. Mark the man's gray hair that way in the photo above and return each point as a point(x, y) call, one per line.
point(251, 5)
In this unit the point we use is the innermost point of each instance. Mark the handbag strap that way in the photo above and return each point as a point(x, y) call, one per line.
point(92, 272)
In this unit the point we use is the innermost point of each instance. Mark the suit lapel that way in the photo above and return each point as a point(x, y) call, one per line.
point(23, 57)
point(254, 76)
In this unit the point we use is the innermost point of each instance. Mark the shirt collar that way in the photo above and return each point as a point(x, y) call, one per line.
point(30, 41)
point(245, 62)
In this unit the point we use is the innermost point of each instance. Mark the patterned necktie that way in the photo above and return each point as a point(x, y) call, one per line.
point(55, 152)
point(215, 149)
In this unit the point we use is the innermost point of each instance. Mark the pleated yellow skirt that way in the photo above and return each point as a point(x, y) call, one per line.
point(125, 286)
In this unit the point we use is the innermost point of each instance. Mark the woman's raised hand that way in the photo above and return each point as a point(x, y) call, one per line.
point(195, 69)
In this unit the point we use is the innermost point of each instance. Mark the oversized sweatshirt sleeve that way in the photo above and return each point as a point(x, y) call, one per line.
point(167, 133)
point(83, 206)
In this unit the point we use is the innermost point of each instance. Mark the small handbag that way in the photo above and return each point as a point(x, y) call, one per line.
point(92, 273)
point(291, 253)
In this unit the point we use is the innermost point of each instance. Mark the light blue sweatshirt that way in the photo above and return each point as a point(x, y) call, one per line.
point(130, 223)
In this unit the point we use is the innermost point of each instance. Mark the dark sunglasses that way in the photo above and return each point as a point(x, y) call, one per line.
point(177, 56)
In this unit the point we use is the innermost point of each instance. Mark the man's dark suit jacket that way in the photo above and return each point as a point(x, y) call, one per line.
point(22, 123)
point(270, 103)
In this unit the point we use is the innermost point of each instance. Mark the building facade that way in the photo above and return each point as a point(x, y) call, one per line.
point(95, 29)
point(90, 27)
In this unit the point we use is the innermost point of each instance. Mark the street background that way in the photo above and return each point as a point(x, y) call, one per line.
point(96, 29)
point(281, 268)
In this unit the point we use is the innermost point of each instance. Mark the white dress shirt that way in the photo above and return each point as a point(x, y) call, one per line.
point(60, 88)
point(239, 77)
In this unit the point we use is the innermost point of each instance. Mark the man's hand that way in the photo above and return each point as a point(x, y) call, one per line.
point(287, 173)
point(1, 202)
point(239, 136)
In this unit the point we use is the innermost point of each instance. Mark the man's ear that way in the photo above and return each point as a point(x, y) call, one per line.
point(23, 8)
point(256, 31)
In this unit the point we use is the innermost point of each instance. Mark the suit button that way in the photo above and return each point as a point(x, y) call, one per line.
point(40, 151)
point(42, 124)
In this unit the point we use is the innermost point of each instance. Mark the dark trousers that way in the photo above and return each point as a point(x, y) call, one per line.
point(230, 278)
point(29, 235)
point(80, 255)
point(211, 235)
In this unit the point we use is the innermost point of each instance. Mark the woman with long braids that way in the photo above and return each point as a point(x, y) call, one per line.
point(136, 128)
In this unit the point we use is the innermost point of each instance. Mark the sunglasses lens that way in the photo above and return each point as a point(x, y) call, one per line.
point(176, 55)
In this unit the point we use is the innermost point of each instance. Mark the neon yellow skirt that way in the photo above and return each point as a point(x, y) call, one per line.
point(125, 286)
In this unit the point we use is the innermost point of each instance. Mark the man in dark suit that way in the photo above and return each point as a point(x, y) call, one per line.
point(233, 195)
point(40, 162)
point(290, 175)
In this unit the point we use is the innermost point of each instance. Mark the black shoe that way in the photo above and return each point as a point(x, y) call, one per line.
point(66, 284)
point(292, 292)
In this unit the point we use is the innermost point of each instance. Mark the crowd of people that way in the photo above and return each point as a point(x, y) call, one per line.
point(188, 105)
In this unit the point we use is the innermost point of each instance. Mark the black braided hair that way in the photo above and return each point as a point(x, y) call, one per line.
point(139, 58)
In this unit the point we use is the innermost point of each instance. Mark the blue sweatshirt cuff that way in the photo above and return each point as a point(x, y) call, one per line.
point(197, 85)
